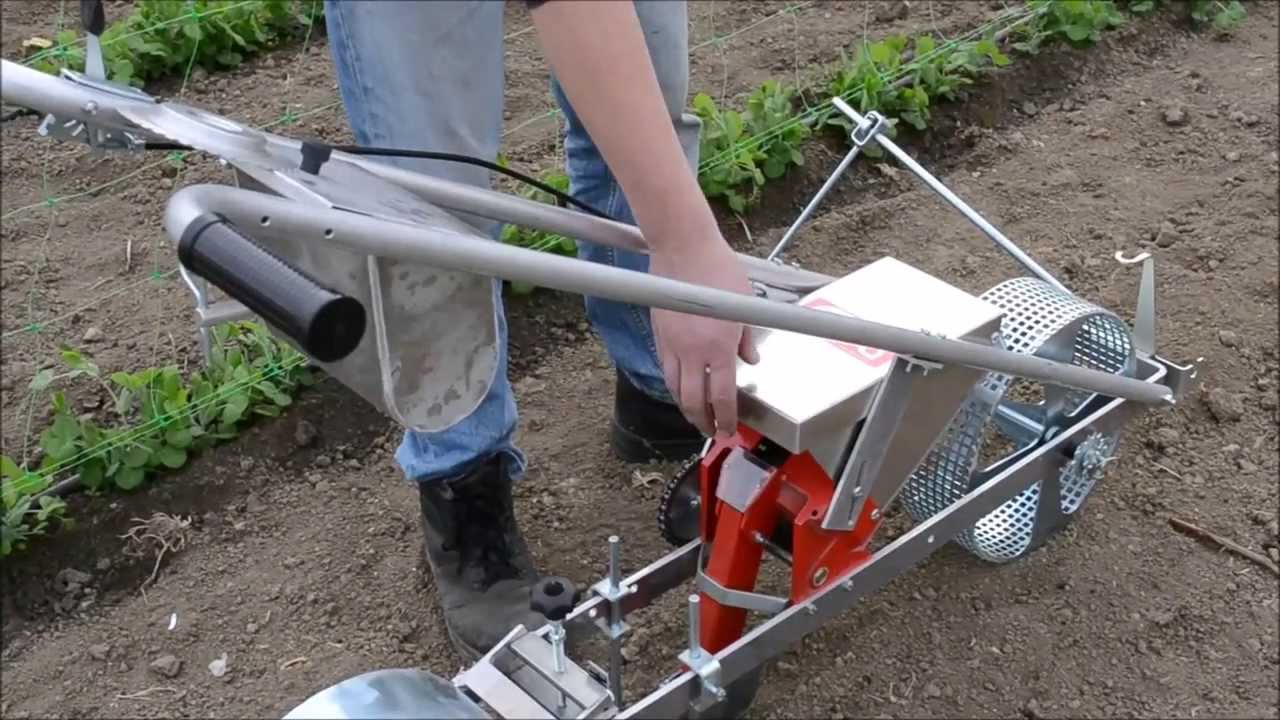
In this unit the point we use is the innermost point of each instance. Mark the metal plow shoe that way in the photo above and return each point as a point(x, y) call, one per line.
point(989, 417)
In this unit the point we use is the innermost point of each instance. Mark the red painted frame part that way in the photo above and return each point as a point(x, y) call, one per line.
point(798, 492)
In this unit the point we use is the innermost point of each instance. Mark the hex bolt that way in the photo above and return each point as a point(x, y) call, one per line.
point(819, 576)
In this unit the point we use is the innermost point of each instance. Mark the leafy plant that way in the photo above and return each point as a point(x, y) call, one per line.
point(163, 38)
point(537, 239)
point(1079, 23)
point(1222, 16)
point(741, 151)
point(27, 513)
point(158, 420)
point(902, 84)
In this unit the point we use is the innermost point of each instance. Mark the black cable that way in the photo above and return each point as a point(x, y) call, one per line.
point(561, 197)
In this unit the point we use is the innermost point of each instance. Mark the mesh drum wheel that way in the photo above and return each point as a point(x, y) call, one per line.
point(1005, 417)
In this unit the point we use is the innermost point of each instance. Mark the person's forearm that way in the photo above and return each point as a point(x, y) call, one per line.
point(598, 53)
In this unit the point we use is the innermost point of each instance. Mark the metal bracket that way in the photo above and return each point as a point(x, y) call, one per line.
point(911, 408)
point(1144, 324)
point(756, 602)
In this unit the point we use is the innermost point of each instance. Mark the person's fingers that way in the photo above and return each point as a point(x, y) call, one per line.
point(693, 394)
point(670, 370)
point(747, 347)
point(723, 397)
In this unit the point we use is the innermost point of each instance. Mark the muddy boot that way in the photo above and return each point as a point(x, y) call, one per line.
point(645, 429)
point(481, 565)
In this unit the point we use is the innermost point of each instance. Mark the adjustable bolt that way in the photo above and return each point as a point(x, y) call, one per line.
point(557, 645)
point(554, 598)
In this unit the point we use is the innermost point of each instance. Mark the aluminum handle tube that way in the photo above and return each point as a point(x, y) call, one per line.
point(26, 87)
point(464, 254)
point(494, 205)
point(936, 185)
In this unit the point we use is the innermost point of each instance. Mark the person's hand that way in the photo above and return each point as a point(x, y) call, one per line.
point(698, 354)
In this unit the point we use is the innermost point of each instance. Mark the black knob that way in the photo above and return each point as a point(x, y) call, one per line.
point(554, 597)
point(314, 155)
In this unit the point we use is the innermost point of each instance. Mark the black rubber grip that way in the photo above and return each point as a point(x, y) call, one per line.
point(93, 19)
point(325, 324)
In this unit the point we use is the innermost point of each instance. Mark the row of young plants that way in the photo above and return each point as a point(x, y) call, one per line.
point(153, 420)
point(162, 39)
point(901, 77)
point(158, 419)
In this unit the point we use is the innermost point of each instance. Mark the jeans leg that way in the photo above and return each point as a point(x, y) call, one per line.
point(626, 329)
point(429, 75)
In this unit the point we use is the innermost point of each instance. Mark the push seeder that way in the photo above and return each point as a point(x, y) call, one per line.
point(988, 418)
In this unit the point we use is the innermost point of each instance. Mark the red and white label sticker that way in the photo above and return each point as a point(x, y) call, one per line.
point(869, 356)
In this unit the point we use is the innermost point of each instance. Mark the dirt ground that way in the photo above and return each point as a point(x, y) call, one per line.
point(301, 563)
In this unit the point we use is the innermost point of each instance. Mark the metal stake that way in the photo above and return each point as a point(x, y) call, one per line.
point(695, 630)
point(615, 619)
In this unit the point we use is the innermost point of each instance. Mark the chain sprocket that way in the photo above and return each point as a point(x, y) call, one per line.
point(678, 510)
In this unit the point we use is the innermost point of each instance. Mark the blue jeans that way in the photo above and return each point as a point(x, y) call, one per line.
point(430, 76)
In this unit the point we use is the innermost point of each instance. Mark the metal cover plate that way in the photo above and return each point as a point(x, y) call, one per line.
point(807, 393)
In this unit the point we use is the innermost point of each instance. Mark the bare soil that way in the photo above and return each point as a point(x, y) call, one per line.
point(301, 562)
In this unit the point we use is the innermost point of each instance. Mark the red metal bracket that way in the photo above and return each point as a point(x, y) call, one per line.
point(797, 492)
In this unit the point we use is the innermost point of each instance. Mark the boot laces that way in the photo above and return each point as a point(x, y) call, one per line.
point(480, 533)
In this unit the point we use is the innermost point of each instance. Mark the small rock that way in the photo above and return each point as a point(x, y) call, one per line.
point(93, 334)
point(323, 461)
point(929, 593)
point(1175, 116)
point(323, 486)
point(1237, 116)
point(246, 464)
point(1274, 552)
point(1273, 529)
point(218, 667)
point(1224, 406)
point(1167, 235)
point(1165, 438)
point(166, 666)
point(932, 690)
point(353, 463)
point(1029, 108)
point(1245, 465)
point(1031, 710)
point(1228, 338)
point(1251, 120)
point(1232, 156)
point(103, 565)
point(305, 434)
point(1255, 644)
point(251, 628)
point(70, 580)
point(893, 11)
point(99, 651)
point(1162, 617)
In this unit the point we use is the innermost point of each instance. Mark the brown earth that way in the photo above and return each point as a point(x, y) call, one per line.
point(301, 562)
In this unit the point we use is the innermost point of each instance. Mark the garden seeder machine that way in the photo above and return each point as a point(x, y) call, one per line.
point(885, 385)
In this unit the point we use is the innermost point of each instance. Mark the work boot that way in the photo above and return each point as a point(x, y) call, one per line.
point(480, 562)
point(646, 429)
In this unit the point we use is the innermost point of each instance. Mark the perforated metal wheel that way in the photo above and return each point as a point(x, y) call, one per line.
point(1005, 417)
